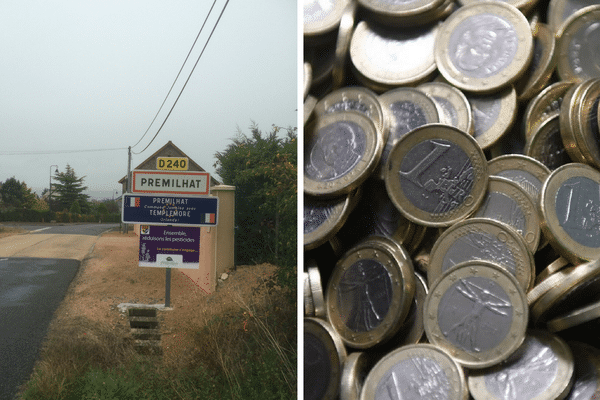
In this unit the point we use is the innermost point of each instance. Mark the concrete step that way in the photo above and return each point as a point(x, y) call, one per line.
point(143, 322)
point(144, 330)
point(148, 347)
point(146, 334)
point(142, 312)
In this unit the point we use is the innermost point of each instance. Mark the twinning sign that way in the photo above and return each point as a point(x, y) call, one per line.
point(170, 210)
point(173, 198)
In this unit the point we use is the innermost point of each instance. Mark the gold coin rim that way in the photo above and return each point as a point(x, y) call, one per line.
point(510, 73)
point(505, 119)
point(525, 266)
point(323, 331)
point(406, 352)
point(513, 290)
point(340, 212)
point(558, 389)
point(351, 180)
point(403, 292)
point(387, 78)
point(430, 132)
point(327, 24)
point(456, 98)
point(535, 80)
point(559, 239)
point(535, 113)
point(532, 232)
point(565, 34)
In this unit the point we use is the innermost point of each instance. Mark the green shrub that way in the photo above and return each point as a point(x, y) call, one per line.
point(26, 215)
point(75, 208)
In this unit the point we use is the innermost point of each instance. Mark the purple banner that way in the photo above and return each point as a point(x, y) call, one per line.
point(169, 246)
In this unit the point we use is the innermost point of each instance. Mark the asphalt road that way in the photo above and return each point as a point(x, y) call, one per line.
point(31, 289)
point(65, 229)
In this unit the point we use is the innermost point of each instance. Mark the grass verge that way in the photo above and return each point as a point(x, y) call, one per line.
point(6, 231)
point(247, 351)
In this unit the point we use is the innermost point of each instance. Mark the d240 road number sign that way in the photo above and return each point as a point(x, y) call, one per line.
point(172, 163)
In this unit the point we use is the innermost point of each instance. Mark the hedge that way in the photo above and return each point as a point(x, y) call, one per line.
point(47, 216)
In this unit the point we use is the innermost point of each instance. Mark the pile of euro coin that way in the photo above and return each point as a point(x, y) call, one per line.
point(451, 199)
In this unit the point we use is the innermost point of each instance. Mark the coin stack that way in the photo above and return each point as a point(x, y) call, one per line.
point(451, 199)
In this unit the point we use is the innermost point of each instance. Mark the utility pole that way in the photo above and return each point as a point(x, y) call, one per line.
point(50, 189)
point(128, 188)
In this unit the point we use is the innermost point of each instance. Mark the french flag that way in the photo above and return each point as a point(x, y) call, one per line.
point(209, 218)
point(134, 202)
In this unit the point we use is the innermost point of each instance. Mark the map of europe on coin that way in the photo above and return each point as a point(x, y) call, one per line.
point(454, 176)
point(436, 175)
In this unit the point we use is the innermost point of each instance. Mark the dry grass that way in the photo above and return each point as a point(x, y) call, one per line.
point(252, 334)
point(243, 336)
point(6, 231)
point(74, 346)
point(248, 341)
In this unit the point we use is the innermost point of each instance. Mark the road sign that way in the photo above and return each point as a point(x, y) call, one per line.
point(170, 246)
point(170, 210)
point(170, 182)
point(172, 163)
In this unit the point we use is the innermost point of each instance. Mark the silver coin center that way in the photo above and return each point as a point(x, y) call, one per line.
point(448, 109)
point(479, 245)
point(528, 373)
point(364, 295)
point(584, 53)
point(483, 45)
point(485, 113)
point(501, 207)
point(436, 176)
point(407, 115)
point(338, 149)
point(578, 210)
point(475, 314)
point(317, 10)
point(414, 379)
point(317, 367)
point(315, 215)
point(529, 182)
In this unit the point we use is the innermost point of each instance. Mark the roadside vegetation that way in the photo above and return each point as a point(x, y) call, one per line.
point(9, 231)
point(246, 352)
point(65, 202)
point(263, 167)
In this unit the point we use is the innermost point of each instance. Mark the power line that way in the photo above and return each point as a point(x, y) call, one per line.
point(177, 77)
point(41, 152)
point(188, 79)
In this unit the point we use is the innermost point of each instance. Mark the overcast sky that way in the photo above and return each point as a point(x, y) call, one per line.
point(91, 75)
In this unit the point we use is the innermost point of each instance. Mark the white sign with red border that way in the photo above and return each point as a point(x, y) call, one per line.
point(170, 182)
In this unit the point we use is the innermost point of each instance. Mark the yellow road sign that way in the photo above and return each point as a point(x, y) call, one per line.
point(172, 163)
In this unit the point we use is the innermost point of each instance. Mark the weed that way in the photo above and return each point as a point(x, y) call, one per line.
point(247, 351)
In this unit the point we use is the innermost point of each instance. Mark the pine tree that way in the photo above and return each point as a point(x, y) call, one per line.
point(14, 193)
point(68, 191)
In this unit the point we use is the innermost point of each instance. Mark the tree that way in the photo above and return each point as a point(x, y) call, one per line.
point(75, 208)
point(102, 209)
point(264, 172)
point(16, 194)
point(68, 191)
